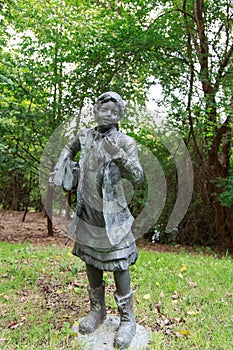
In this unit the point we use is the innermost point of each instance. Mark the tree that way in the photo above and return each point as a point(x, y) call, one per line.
point(194, 66)
point(56, 54)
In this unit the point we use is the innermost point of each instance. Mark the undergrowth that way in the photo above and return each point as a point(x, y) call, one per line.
point(184, 300)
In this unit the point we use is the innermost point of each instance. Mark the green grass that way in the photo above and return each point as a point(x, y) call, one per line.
point(185, 300)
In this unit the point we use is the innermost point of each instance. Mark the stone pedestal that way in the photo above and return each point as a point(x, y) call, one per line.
point(103, 337)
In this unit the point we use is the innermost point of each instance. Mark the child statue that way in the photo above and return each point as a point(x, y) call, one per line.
point(104, 240)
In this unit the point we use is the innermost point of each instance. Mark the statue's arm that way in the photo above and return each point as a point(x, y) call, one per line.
point(68, 152)
point(128, 162)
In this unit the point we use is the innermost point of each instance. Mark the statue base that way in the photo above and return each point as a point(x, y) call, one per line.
point(103, 337)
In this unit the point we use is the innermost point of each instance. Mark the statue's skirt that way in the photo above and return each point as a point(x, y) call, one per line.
point(97, 252)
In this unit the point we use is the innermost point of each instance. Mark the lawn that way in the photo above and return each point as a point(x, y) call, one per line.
point(184, 299)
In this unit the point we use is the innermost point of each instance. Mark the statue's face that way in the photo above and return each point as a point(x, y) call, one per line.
point(108, 114)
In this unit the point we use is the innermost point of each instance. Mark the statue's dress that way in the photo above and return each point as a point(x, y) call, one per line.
point(103, 236)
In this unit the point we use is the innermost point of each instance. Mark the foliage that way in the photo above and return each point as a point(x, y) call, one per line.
point(178, 297)
point(48, 67)
point(158, 163)
point(226, 197)
point(57, 56)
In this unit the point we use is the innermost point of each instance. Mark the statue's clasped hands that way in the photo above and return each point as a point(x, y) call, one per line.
point(110, 145)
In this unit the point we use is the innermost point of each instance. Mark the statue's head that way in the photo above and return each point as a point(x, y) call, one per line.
point(109, 108)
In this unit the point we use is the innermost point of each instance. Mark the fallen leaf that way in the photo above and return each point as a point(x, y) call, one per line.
point(175, 295)
point(166, 322)
point(161, 294)
point(12, 325)
point(178, 334)
point(59, 291)
point(79, 285)
point(180, 320)
point(175, 301)
point(146, 296)
point(184, 332)
point(158, 307)
point(16, 324)
point(66, 316)
point(180, 275)
point(192, 284)
point(183, 268)
point(142, 320)
point(193, 312)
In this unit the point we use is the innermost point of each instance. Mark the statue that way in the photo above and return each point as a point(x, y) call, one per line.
point(102, 226)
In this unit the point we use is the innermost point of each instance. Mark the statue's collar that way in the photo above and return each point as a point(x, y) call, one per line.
point(102, 130)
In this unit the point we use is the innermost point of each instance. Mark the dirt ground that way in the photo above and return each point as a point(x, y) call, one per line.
point(34, 231)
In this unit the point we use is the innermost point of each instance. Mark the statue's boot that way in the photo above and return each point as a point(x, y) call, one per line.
point(97, 313)
point(127, 327)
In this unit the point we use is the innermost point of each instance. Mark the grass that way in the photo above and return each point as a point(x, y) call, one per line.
point(184, 299)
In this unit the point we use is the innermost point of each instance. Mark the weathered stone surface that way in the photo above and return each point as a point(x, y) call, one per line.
point(103, 337)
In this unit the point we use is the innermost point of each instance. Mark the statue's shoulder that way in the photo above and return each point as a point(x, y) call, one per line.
point(125, 138)
point(83, 133)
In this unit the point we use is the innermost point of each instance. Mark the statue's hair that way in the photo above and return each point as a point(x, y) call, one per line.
point(110, 96)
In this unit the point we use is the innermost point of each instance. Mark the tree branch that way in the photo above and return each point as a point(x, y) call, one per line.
point(223, 65)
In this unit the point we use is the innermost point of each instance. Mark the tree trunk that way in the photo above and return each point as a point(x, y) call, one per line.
point(219, 164)
point(49, 209)
point(28, 198)
point(16, 191)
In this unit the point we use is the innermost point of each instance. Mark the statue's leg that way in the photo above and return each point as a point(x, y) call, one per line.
point(122, 282)
point(95, 276)
point(96, 290)
point(124, 300)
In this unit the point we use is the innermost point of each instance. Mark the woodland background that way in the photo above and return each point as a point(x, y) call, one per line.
point(57, 56)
